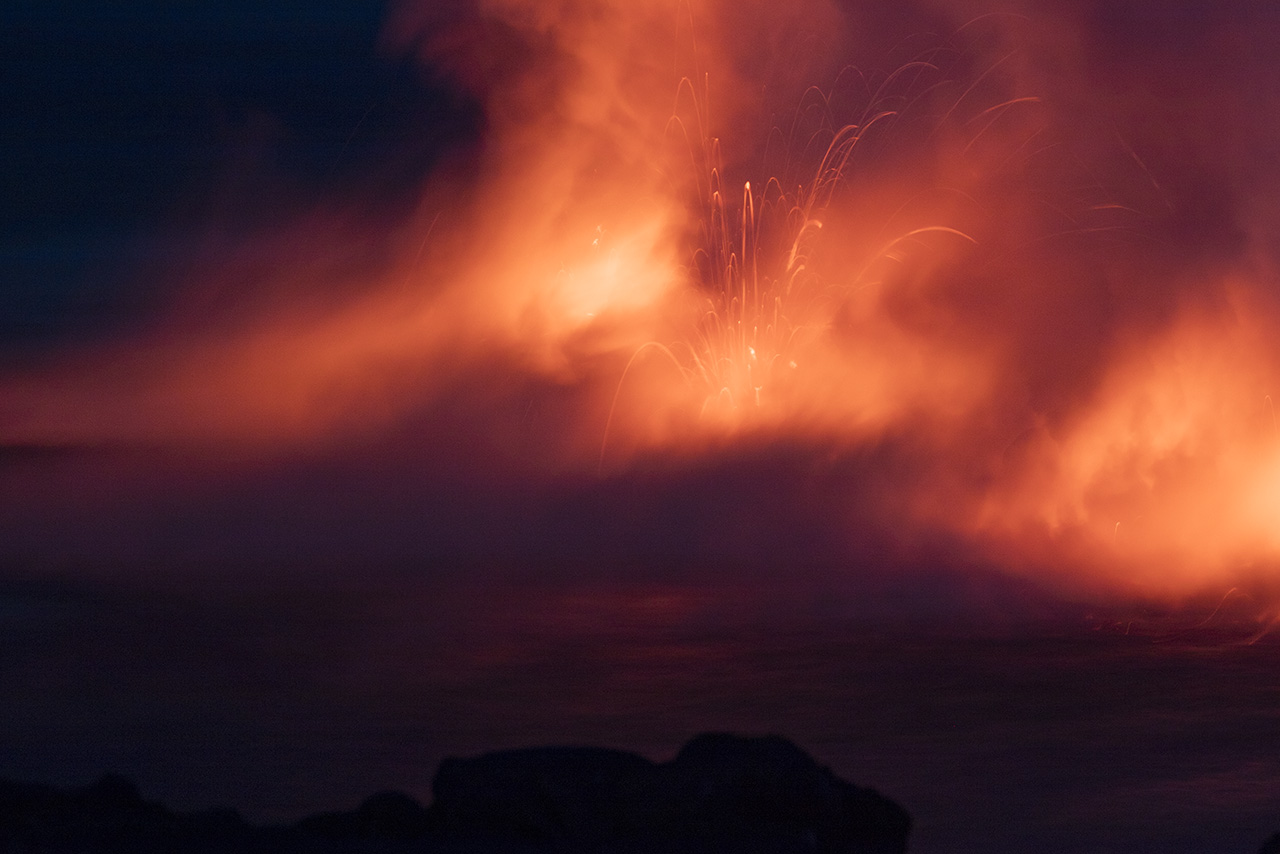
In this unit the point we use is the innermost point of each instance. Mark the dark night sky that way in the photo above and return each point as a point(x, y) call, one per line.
point(129, 127)
point(291, 631)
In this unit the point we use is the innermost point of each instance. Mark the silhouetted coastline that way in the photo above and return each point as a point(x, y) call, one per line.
point(759, 795)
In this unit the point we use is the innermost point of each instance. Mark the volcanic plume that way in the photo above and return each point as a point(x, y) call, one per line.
point(763, 281)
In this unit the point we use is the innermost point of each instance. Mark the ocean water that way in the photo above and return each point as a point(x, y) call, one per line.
point(1052, 738)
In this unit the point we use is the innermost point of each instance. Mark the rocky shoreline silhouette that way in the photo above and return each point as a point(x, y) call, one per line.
point(751, 795)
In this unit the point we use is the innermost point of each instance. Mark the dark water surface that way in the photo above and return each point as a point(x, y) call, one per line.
point(1063, 738)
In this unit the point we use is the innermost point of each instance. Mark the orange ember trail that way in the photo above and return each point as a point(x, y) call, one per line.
point(708, 228)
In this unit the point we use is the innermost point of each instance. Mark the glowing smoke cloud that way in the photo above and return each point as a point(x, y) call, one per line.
point(940, 254)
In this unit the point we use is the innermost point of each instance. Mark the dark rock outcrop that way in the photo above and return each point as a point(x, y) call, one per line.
point(721, 793)
point(110, 810)
point(720, 787)
point(384, 816)
point(108, 815)
point(722, 784)
point(539, 794)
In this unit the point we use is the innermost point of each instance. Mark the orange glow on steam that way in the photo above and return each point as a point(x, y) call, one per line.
point(889, 261)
